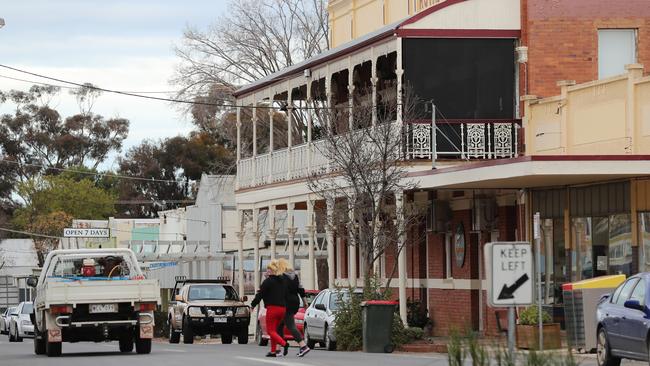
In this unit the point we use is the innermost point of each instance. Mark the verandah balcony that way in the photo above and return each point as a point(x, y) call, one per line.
point(456, 140)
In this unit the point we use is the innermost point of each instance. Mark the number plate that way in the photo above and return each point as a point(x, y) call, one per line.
point(103, 308)
point(221, 320)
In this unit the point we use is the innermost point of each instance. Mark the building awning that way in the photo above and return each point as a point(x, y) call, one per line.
point(535, 172)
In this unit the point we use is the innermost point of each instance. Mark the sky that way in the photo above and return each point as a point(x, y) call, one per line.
point(116, 44)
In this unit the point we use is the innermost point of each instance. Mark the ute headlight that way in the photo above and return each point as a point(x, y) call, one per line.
point(194, 311)
point(242, 311)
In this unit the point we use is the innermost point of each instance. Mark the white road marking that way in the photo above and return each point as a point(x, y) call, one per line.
point(172, 350)
point(280, 361)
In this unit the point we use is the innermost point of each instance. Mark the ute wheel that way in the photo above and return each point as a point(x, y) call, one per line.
point(310, 343)
point(39, 342)
point(226, 338)
point(242, 337)
point(126, 344)
point(188, 334)
point(603, 355)
point(174, 336)
point(330, 345)
point(258, 336)
point(52, 349)
point(142, 346)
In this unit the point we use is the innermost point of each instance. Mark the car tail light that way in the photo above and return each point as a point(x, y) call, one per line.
point(150, 306)
point(60, 309)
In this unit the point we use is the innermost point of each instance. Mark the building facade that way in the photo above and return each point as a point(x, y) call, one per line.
point(530, 119)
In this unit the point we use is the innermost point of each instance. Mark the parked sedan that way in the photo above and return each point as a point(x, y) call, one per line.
point(320, 317)
point(624, 322)
point(21, 325)
point(262, 334)
point(4, 320)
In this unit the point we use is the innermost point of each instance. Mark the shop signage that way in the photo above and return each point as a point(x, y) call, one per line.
point(509, 270)
point(86, 233)
point(459, 245)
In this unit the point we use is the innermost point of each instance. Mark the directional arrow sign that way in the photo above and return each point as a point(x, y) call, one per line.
point(509, 269)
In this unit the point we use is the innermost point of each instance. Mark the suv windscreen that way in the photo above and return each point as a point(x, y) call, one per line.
point(211, 292)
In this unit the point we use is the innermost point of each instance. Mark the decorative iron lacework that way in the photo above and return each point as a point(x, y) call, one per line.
point(503, 140)
point(421, 141)
point(476, 140)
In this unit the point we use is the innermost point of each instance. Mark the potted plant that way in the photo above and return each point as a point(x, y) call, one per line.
point(528, 331)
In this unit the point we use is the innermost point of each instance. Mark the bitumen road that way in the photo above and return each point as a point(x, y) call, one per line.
point(163, 354)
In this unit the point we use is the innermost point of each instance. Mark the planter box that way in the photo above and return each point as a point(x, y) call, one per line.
point(528, 336)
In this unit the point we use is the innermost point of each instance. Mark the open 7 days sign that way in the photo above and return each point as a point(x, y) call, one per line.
point(509, 270)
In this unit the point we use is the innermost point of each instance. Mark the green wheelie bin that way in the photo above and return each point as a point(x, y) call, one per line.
point(378, 326)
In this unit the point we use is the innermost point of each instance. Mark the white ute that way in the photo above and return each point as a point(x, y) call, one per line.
point(93, 295)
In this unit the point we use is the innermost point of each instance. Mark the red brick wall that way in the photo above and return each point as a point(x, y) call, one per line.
point(436, 242)
point(450, 310)
point(562, 38)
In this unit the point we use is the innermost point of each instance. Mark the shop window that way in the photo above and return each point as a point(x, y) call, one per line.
point(602, 245)
point(554, 269)
point(616, 48)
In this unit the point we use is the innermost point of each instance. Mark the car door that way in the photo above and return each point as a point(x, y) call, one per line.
point(317, 317)
point(634, 323)
point(615, 333)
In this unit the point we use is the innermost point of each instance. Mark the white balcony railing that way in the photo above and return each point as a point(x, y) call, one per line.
point(453, 140)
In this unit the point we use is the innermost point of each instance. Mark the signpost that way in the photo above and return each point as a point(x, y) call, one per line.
point(86, 233)
point(537, 226)
point(509, 270)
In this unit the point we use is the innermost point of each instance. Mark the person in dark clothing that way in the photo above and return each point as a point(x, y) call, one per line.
point(295, 292)
point(274, 293)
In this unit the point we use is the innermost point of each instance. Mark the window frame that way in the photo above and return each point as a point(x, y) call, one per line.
point(635, 49)
point(633, 282)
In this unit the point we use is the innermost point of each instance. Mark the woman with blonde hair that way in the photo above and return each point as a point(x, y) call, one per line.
point(295, 292)
point(274, 293)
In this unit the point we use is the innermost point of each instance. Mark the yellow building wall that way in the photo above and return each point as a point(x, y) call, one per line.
point(351, 19)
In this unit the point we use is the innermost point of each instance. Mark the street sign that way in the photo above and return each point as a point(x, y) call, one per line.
point(86, 233)
point(509, 270)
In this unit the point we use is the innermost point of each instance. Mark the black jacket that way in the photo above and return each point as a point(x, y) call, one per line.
point(294, 292)
point(273, 291)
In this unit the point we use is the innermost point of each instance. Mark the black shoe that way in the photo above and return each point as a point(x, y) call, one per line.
point(270, 354)
point(286, 349)
point(303, 351)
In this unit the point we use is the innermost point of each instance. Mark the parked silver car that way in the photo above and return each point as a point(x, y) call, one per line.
point(320, 317)
point(20, 325)
point(4, 320)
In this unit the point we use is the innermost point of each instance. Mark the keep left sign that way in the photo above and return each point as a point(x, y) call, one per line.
point(509, 271)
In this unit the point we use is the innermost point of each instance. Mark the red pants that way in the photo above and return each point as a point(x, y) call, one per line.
point(274, 315)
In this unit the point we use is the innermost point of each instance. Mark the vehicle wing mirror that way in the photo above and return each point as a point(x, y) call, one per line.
point(634, 304)
point(244, 298)
point(320, 307)
point(32, 282)
point(178, 298)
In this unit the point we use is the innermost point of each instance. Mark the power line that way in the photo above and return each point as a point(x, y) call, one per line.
point(70, 87)
point(29, 233)
point(109, 175)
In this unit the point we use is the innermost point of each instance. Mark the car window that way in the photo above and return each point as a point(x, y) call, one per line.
point(626, 291)
point(639, 292)
point(27, 309)
point(211, 292)
point(318, 299)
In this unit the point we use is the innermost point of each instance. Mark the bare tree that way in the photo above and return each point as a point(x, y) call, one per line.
point(366, 170)
point(254, 39)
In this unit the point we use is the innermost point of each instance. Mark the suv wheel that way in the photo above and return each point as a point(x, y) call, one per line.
point(310, 343)
point(330, 345)
point(226, 338)
point(174, 336)
point(258, 336)
point(242, 337)
point(188, 334)
point(603, 355)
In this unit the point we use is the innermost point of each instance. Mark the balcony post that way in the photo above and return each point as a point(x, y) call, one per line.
point(310, 122)
point(329, 233)
point(291, 234)
point(352, 247)
point(256, 247)
point(241, 234)
point(399, 72)
point(238, 146)
point(273, 232)
point(256, 179)
point(328, 103)
point(350, 95)
point(373, 82)
point(311, 256)
point(289, 132)
point(271, 113)
point(401, 257)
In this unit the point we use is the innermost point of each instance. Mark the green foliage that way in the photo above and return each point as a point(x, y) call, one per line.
point(456, 352)
point(479, 354)
point(349, 327)
point(502, 357)
point(530, 316)
point(416, 314)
